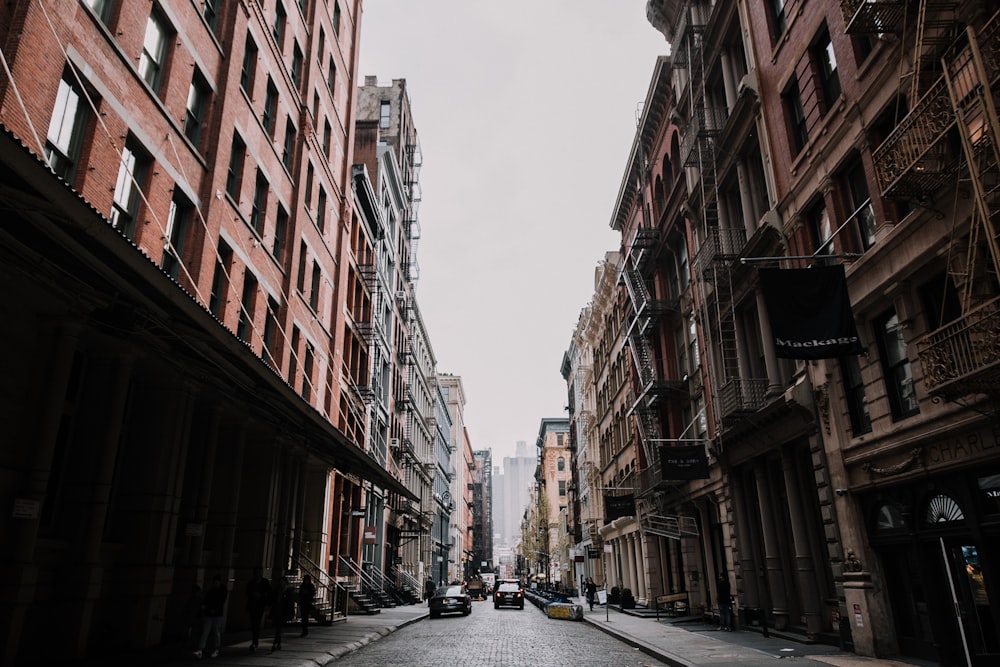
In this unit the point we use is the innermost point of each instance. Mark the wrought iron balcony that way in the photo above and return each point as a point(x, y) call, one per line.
point(963, 357)
point(706, 123)
point(740, 397)
point(720, 244)
point(869, 17)
point(915, 160)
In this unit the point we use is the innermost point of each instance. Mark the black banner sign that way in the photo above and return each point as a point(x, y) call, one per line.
point(616, 507)
point(810, 312)
point(687, 462)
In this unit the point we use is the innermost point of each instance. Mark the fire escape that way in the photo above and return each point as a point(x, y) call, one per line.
point(957, 107)
point(716, 262)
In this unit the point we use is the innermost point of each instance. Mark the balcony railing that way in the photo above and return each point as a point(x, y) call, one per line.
point(963, 357)
point(739, 397)
point(721, 243)
point(706, 123)
point(869, 17)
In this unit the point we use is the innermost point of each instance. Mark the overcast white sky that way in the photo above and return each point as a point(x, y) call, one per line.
point(526, 112)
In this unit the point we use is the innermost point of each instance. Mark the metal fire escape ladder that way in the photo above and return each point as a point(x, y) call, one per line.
point(969, 85)
point(962, 357)
point(642, 357)
point(935, 30)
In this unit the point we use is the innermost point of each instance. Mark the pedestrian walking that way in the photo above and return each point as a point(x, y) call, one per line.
point(279, 602)
point(591, 592)
point(724, 598)
point(428, 590)
point(214, 611)
point(193, 618)
point(307, 593)
point(258, 591)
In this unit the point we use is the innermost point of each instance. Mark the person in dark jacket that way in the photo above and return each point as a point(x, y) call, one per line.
point(279, 611)
point(724, 598)
point(307, 593)
point(591, 592)
point(428, 590)
point(215, 610)
point(258, 598)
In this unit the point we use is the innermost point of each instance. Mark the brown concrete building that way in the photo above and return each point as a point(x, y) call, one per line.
point(849, 498)
point(186, 294)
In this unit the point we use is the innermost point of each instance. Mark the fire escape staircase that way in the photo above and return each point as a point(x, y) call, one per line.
point(963, 356)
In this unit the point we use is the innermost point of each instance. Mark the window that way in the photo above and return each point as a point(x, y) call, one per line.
point(826, 66)
point(280, 230)
point(309, 184)
point(820, 228)
point(296, 65)
point(210, 13)
point(336, 18)
point(860, 204)
point(128, 186)
point(307, 371)
point(939, 298)
point(321, 47)
point(267, 119)
point(798, 134)
point(331, 75)
point(327, 132)
point(895, 366)
point(249, 70)
point(101, 8)
point(220, 281)
point(321, 210)
point(778, 19)
point(294, 356)
point(194, 115)
point(854, 392)
point(154, 51)
point(300, 282)
point(288, 150)
point(234, 175)
point(270, 331)
point(280, 19)
point(248, 301)
point(259, 210)
point(562, 487)
point(384, 114)
point(560, 464)
point(314, 286)
point(64, 139)
point(178, 223)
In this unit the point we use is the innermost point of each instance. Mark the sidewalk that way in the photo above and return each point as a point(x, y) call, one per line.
point(694, 643)
point(323, 645)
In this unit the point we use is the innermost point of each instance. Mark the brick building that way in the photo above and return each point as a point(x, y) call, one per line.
point(187, 296)
point(850, 498)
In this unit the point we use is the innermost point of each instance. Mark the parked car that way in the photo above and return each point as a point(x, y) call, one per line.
point(450, 599)
point(508, 593)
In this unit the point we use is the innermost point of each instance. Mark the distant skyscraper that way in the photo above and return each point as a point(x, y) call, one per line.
point(511, 488)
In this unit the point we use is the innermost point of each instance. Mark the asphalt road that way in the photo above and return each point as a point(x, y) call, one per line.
point(493, 637)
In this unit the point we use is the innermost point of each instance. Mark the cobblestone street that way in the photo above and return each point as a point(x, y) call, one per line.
point(505, 636)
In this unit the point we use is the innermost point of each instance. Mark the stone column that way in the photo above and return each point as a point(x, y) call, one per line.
point(808, 589)
point(745, 563)
point(772, 556)
point(19, 576)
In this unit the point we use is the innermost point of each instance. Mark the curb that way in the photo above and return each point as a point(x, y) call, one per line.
point(648, 649)
point(341, 651)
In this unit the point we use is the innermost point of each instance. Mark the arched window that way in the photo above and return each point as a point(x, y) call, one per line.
point(943, 509)
point(561, 464)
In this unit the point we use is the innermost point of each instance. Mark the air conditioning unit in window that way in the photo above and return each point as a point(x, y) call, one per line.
point(394, 443)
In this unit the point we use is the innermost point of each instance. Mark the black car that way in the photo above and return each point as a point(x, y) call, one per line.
point(508, 593)
point(450, 599)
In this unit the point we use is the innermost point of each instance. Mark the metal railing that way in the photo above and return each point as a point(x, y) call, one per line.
point(963, 357)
